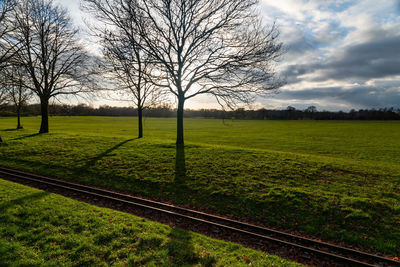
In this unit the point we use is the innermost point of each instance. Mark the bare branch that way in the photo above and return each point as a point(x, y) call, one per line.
point(216, 47)
point(49, 51)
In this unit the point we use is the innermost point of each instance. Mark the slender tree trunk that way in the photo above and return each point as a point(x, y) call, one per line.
point(179, 133)
point(140, 121)
point(19, 118)
point(19, 105)
point(44, 106)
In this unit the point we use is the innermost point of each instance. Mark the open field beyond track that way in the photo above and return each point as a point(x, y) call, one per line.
point(335, 180)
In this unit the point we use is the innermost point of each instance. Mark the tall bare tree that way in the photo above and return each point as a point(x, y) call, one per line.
point(50, 52)
point(12, 83)
point(216, 47)
point(6, 7)
point(3, 98)
point(126, 67)
point(7, 48)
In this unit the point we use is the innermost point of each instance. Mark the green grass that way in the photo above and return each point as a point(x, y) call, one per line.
point(336, 180)
point(42, 229)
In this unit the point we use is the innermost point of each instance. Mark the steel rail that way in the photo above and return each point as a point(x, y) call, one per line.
point(338, 253)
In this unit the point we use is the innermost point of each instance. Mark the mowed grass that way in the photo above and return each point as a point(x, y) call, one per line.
point(42, 229)
point(335, 180)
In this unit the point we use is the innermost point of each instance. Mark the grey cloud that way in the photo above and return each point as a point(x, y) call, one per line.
point(298, 42)
point(320, 51)
point(299, 45)
point(377, 58)
point(292, 73)
point(364, 96)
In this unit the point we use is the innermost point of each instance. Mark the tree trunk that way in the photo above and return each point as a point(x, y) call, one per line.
point(19, 104)
point(19, 118)
point(179, 133)
point(44, 106)
point(140, 121)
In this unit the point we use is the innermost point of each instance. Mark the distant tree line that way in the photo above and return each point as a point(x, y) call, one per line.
point(167, 111)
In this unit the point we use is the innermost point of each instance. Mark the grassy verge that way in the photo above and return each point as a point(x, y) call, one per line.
point(341, 188)
point(42, 229)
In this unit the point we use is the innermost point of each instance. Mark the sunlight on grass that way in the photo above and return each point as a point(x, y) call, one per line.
point(336, 180)
point(42, 229)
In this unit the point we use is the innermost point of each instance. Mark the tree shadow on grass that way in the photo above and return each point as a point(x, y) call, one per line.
point(22, 200)
point(179, 187)
point(10, 130)
point(26, 136)
point(180, 246)
point(181, 250)
point(180, 167)
point(92, 161)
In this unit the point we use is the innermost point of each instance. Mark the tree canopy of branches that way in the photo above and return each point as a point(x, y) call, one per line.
point(49, 51)
point(216, 47)
point(12, 85)
point(6, 50)
point(6, 47)
point(125, 68)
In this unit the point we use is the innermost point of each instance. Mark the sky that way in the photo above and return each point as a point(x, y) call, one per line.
point(339, 55)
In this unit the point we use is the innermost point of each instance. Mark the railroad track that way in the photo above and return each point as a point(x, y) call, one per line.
point(338, 254)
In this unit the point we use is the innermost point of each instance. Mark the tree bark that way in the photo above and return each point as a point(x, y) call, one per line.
point(19, 118)
point(44, 106)
point(140, 121)
point(19, 105)
point(179, 133)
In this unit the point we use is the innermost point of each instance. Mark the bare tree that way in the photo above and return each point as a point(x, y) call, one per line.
point(216, 47)
point(50, 52)
point(3, 98)
point(12, 83)
point(126, 67)
point(7, 48)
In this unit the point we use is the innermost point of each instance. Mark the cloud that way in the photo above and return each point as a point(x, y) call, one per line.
point(375, 58)
point(340, 54)
point(358, 96)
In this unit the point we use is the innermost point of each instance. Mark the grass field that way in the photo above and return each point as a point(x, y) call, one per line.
point(42, 229)
point(336, 180)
